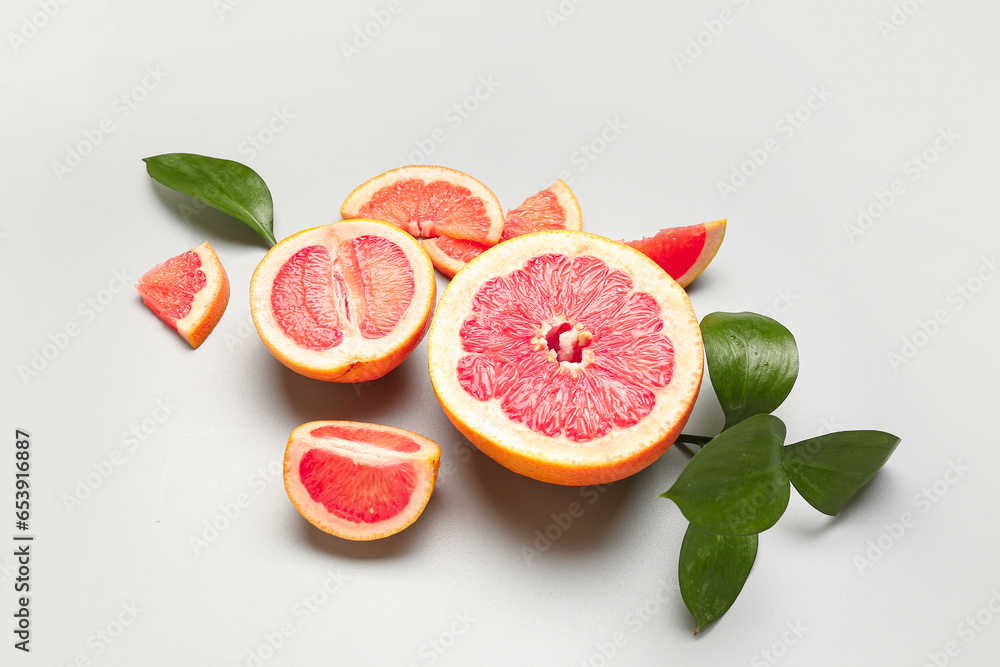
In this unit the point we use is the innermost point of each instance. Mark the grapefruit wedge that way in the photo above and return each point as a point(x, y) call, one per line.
point(189, 292)
point(429, 201)
point(566, 357)
point(683, 252)
point(345, 302)
point(555, 207)
point(359, 481)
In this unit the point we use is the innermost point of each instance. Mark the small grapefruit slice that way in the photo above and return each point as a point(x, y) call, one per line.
point(566, 357)
point(555, 207)
point(345, 302)
point(683, 252)
point(359, 481)
point(189, 292)
point(429, 201)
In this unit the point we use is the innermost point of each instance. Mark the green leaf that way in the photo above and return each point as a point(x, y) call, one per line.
point(229, 186)
point(712, 571)
point(827, 471)
point(753, 362)
point(736, 484)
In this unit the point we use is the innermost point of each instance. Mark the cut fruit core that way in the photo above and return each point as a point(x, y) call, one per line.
point(566, 346)
point(364, 284)
point(356, 491)
point(423, 209)
point(169, 288)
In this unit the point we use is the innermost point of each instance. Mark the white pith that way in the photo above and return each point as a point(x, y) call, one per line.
point(486, 417)
point(354, 348)
point(426, 461)
point(428, 174)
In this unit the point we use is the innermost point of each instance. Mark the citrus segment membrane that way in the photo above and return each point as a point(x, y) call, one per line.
point(368, 284)
point(359, 493)
point(429, 201)
point(345, 302)
point(359, 481)
point(566, 361)
point(393, 440)
point(566, 357)
point(438, 208)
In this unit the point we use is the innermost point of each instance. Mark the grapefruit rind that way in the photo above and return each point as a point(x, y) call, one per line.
point(715, 232)
point(351, 208)
point(426, 460)
point(355, 359)
point(208, 304)
point(559, 460)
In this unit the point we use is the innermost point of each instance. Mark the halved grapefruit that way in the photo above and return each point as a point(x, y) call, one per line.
point(429, 201)
point(555, 207)
point(359, 481)
point(345, 302)
point(566, 357)
point(189, 292)
point(683, 252)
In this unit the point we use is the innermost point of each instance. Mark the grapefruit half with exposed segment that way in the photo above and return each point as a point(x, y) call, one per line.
point(345, 302)
point(359, 481)
point(566, 357)
point(553, 208)
point(189, 292)
point(683, 252)
point(428, 201)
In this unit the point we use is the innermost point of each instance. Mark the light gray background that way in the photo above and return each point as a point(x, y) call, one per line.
point(457, 588)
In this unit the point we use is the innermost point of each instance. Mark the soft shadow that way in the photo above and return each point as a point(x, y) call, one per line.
point(313, 399)
point(703, 283)
point(545, 512)
point(884, 485)
point(201, 216)
point(386, 547)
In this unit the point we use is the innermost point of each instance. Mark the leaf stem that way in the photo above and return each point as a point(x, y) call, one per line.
point(691, 439)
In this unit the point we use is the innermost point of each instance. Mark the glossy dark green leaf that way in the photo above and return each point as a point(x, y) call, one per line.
point(753, 362)
point(229, 186)
point(827, 471)
point(736, 485)
point(712, 571)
